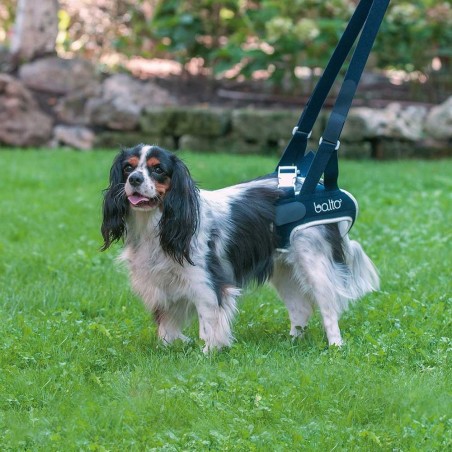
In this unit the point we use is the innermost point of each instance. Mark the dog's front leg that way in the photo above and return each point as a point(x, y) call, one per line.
point(170, 322)
point(215, 320)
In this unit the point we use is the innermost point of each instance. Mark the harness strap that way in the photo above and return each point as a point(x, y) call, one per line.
point(297, 145)
point(325, 161)
point(366, 18)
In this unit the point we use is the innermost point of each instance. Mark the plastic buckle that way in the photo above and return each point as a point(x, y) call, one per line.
point(338, 143)
point(295, 130)
point(287, 176)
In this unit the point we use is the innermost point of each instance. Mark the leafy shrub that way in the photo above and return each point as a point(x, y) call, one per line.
point(278, 37)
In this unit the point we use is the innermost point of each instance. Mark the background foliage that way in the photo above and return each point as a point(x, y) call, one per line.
point(247, 36)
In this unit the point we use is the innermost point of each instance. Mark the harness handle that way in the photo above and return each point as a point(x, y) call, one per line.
point(325, 160)
point(300, 134)
point(366, 19)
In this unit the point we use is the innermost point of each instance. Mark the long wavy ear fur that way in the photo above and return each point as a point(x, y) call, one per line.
point(180, 216)
point(115, 206)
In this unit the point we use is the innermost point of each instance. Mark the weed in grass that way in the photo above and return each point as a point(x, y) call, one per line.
point(81, 368)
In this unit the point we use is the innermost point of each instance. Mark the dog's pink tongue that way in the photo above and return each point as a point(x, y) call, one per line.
point(137, 199)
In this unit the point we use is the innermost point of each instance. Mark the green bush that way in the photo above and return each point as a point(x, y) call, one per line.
point(278, 37)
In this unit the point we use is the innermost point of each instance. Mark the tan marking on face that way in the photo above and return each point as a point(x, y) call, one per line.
point(153, 161)
point(162, 188)
point(133, 161)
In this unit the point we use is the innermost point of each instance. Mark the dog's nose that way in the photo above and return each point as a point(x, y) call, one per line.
point(136, 179)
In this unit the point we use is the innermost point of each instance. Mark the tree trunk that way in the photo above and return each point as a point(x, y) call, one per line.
point(35, 29)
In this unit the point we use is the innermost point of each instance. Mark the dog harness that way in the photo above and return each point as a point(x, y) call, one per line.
point(308, 200)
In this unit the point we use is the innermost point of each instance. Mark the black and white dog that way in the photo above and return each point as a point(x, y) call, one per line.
point(191, 251)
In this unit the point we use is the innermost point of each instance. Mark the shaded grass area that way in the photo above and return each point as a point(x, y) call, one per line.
point(81, 368)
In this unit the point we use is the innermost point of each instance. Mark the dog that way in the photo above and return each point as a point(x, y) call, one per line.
point(190, 251)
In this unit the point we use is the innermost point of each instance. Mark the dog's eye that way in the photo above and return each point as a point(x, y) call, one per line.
point(157, 170)
point(128, 168)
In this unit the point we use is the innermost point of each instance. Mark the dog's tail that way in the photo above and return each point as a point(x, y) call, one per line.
point(363, 274)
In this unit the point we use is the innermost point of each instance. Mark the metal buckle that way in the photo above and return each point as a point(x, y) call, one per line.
point(295, 130)
point(287, 176)
point(338, 143)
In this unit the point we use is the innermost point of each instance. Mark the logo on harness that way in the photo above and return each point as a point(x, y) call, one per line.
point(328, 206)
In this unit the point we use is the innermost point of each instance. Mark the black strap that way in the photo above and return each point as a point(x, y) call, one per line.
point(366, 18)
point(325, 161)
point(297, 145)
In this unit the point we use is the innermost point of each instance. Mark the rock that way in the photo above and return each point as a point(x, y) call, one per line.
point(122, 101)
point(405, 123)
point(73, 136)
point(212, 122)
point(439, 121)
point(228, 144)
point(196, 121)
point(116, 114)
point(70, 109)
point(7, 60)
point(362, 124)
point(264, 126)
point(22, 123)
point(35, 29)
point(137, 92)
point(390, 122)
point(115, 140)
point(356, 150)
point(57, 75)
point(159, 121)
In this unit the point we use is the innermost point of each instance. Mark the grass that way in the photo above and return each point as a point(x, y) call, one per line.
point(81, 368)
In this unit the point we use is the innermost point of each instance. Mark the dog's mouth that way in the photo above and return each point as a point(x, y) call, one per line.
point(143, 202)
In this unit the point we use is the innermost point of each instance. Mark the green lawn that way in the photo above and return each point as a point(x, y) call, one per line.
point(81, 368)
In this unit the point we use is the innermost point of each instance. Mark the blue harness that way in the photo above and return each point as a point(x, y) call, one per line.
point(307, 200)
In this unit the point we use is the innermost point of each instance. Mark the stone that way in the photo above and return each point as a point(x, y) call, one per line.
point(405, 123)
point(71, 109)
point(110, 139)
point(356, 150)
point(122, 100)
point(158, 121)
point(7, 60)
point(179, 121)
point(22, 123)
point(212, 122)
point(136, 91)
point(115, 114)
point(264, 126)
point(363, 123)
point(35, 29)
point(57, 75)
point(439, 121)
point(76, 137)
point(394, 121)
point(229, 144)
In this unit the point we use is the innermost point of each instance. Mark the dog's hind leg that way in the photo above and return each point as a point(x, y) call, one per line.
point(320, 277)
point(297, 301)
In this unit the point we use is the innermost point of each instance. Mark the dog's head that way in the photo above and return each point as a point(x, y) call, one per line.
point(150, 180)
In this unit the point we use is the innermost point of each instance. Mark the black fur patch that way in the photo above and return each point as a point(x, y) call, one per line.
point(217, 274)
point(115, 205)
point(333, 237)
point(253, 241)
point(180, 216)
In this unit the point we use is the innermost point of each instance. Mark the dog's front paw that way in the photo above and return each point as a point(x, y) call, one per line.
point(168, 339)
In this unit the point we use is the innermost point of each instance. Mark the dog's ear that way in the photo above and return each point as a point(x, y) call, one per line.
point(115, 205)
point(180, 216)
